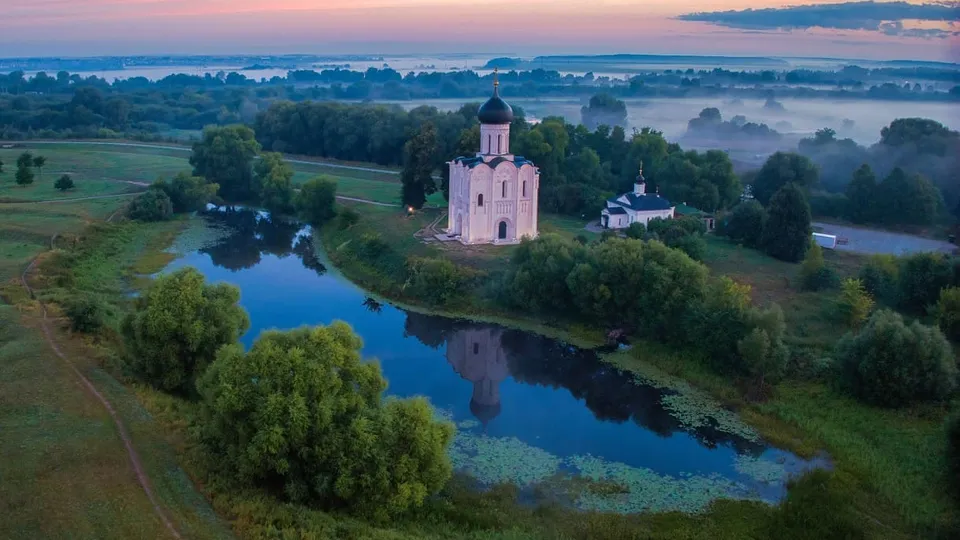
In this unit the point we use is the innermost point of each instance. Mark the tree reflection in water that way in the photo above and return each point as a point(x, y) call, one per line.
point(486, 355)
point(254, 233)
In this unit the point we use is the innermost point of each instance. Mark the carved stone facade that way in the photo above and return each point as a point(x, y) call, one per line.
point(493, 195)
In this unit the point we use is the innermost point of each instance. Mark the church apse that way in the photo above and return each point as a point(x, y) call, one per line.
point(477, 355)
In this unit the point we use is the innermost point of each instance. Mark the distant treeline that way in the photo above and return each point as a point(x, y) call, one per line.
point(911, 84)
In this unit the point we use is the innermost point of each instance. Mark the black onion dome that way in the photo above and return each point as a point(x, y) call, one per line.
point(495, 110)
point(484, 413)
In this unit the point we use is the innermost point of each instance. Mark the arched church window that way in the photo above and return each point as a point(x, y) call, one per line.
point(524, 188)
point(476, 348)
point(489, 143)
point(500, 146)
point(480, 199)
point(504, 190)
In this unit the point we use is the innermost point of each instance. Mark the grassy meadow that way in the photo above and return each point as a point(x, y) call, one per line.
point(67, 474)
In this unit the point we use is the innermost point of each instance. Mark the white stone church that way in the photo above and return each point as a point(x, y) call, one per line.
point(637, 206)
point(493, 195)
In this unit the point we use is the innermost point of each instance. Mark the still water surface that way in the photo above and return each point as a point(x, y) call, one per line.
point(526, 406)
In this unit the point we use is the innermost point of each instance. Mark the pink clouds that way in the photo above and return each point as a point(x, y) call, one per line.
point(79, 27)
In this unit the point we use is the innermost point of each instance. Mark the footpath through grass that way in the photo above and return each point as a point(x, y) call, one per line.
point(65, 472)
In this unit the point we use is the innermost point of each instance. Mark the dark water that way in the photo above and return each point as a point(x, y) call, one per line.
point(511, 384)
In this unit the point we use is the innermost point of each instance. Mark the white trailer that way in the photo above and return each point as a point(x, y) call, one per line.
point(828, 241)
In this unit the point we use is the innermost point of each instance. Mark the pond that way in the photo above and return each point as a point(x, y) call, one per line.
point(527, 407)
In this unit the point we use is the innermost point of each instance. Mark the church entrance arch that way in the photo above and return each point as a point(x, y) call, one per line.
point(458, 224)
point(502, 231)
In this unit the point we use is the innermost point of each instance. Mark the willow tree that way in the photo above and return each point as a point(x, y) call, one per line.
point(178, 325)
point(302, 412)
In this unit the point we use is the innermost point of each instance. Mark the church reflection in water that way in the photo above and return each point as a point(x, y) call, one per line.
point(477, 355)
point(488, 355)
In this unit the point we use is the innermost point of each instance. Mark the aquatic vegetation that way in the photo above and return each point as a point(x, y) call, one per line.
point(692, 407)
point(199, 234)
point(494, 460)
point(467, 424)
point(650, 491)
point(761, 470)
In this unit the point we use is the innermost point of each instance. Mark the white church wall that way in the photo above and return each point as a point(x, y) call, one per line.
point(495, 139)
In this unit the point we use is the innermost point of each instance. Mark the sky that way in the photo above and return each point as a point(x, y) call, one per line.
point(520, 27)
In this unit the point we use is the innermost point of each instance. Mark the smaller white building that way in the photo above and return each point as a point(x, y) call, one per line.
point(637, 206)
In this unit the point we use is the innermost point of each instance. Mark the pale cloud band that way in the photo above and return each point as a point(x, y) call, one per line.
point(523, 27)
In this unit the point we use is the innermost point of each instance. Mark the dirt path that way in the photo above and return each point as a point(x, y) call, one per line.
point(121, 429)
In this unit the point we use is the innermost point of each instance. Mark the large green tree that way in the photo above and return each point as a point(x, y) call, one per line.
point(862, 197)
point(177, 326)
point(908, 199)
point(787, 231)
point(224, 156)
point(784, 168)
point(892, 364)
point(274, 177)
point(152, 205)
point(745, 224)
point(187, 193)
point(420, 157)
point(316, 201)
point(303, 412)
point(39, 162)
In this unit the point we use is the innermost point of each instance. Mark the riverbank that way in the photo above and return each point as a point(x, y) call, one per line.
point(887, 459)
point(459, 511)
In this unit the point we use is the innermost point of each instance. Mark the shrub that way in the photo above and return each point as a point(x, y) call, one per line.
point(347, 217)
point(178, 325)
point(855, 303)
point(316, 200)
point(153, 205)
point(892, 364)
point(303, 413)
point(948, 312)
point(693, 245)
point(188, 193)
point(814, 273)
point(437, 281)
point(86, 314)
point(636, 231)
point(921, 277)
point(372, 246)
point(880, 276)
point(63, 183)
point(745, 224)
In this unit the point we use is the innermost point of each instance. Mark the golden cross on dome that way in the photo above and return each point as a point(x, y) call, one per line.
point(496, 77)
point(641, 167)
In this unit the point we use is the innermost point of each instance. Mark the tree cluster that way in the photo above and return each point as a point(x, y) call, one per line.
point(916, 146)
point(303, 413)
point(300, 413)
point(890, 363)
point(657, 291)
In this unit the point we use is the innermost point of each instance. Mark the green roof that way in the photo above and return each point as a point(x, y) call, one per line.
point(685, 210)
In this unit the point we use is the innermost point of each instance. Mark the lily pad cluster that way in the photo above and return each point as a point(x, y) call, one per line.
point(199, 234)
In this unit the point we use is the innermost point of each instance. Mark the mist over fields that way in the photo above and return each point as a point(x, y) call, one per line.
point(798, 118)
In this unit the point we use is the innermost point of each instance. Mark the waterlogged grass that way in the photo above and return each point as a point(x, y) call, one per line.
point(648, 491)
point(197, 234)
point(494, 460)
point(891, 462)
point(761, 470)
point(694, 408)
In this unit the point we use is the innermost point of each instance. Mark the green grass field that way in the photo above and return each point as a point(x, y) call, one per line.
point(106, 170)
point(65, 471)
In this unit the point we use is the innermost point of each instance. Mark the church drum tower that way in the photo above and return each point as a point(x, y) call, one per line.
point(493, 195)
